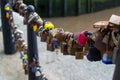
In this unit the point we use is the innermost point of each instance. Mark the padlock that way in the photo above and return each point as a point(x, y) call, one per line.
point(70, 46)
point(17, 5)
point(25, 69)
point(7, 7)
point(7, 15)
point(107, 58)
point(44, 36)
point(25, 66)
point(71, 49)
point(98, 44)
point(34, 62)
point(38, 72)
point(24, 20)
point(79, 53)
point(44, 78)
point(50, 47)
point(116, 43)
point(64, 49)
point(48, 25)
point(93, 54)
point(22, 8)
point(33, 17)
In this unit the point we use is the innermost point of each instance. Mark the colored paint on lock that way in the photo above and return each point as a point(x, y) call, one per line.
point(35, 28)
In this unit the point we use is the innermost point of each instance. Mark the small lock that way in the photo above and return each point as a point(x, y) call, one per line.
point(25, 67)
point(44, 78)
point(21, 55)
point(107, 58)
point(50, 47)
point(64, 48)
point(7, 15)
point(37, 73)
point(79, 55)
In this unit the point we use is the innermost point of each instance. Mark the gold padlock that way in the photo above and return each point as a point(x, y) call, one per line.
point(79, 54)
point(7, 15)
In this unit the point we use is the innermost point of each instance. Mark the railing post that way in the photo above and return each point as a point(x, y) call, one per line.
point(6, 29)
point(34, 69)
point(32, 51)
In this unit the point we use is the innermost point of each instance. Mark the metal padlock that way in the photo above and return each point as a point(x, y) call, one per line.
point(44, 78)
point(107, 58)
point(79, 53)
point(70, 46)
point(43, 36)
point(93, 53)
point(25, 67)
point(50, 47)
point(38, 72)
point(64, 49)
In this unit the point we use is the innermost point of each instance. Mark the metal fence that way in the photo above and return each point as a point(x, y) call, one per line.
point(58, 8)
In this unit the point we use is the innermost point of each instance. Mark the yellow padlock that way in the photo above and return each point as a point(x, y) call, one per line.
point(25, 57)
point(7, 8)
point(49, 25)
point(35, 28)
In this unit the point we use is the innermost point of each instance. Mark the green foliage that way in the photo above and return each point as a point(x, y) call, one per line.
point(99, 0)
point(43, 2)
point(42, 6)
point(84, 1)
point(29, 2)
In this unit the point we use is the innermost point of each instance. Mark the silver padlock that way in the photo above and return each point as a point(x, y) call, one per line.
point(38, 72)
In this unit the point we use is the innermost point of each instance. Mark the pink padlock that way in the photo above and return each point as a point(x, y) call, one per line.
point(82, 39)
